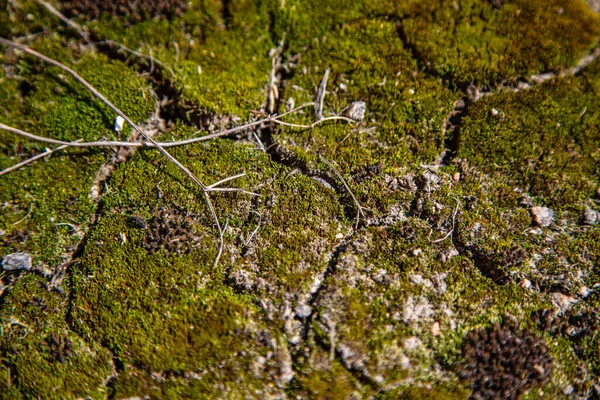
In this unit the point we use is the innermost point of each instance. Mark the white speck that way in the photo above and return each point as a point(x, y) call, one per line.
point(435, 329)
point(199, 70)
point(412, 343)
point(343, 87)
point(494, 112)
point(411, 91)
point(525, 284)
point(119, 121)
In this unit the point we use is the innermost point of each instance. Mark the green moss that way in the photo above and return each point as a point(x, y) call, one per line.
point(469, 41)
point(542, 143)
point(146, 313)
point(221, 60)
point(30, 317)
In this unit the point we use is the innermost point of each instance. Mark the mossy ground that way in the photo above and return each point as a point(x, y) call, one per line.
point(303, 303)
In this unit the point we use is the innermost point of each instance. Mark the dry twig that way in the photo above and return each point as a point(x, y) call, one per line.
point(97, 94)
point(321, 96)
point(76, 27)
point(34, 158)
point(359, 208)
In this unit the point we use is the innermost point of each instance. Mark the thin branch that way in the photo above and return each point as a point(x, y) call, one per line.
point(334, 118)
point(211, 136)
point(229, 178)
point(34, 158)
point(453, 222)
point(73, 25)
point(247, 241)
point(359, 208)
point(81, 30)
point(88, 86)
point(321, 96)
point(26, 215)
point(151, 58)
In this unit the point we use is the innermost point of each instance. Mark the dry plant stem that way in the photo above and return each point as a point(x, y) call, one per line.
point(126, 49)
point(34, 158)
point(76, 27)
point(85, 83)
point(359, 208)
point(453, 223)
point(321, 96)
point(84, 34)
point(216, 135)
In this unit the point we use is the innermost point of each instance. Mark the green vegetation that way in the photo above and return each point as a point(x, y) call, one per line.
point(123, 299)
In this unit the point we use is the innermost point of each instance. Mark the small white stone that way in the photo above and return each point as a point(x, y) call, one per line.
point(404, 362)
point(412, 343)
point(357, 110)
point(525, 284)
point(411, 91)
point(584, 291)
point(119, 122)
point(303, 310)
point(542, 216)
point(561, 301)
point(343, 87)
point(494, 112)
point(290, 103)
point(568, 389)
point(435, 329)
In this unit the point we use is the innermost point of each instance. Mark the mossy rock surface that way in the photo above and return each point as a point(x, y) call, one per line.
point(359, 256)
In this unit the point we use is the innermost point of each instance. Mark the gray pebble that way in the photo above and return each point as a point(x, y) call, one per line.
point(17, 262)
point(303, 311)
point(357, 110)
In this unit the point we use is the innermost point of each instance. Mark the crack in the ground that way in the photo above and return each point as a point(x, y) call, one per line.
point(453, 121)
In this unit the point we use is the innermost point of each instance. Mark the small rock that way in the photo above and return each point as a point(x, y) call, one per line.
point(343, 87)
point(303, 311)
point(542, 216)
point(590, 217)
point(456, 176)
point(17, 262)
point(525, 284)
point(568, 389)
point(435, 329)
point(584, 291)
point(561, 301)
point(290, 103)
point(404, 362)
point(494, 112)
point(412, 343)
point(119, 121)
point(357, 110)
